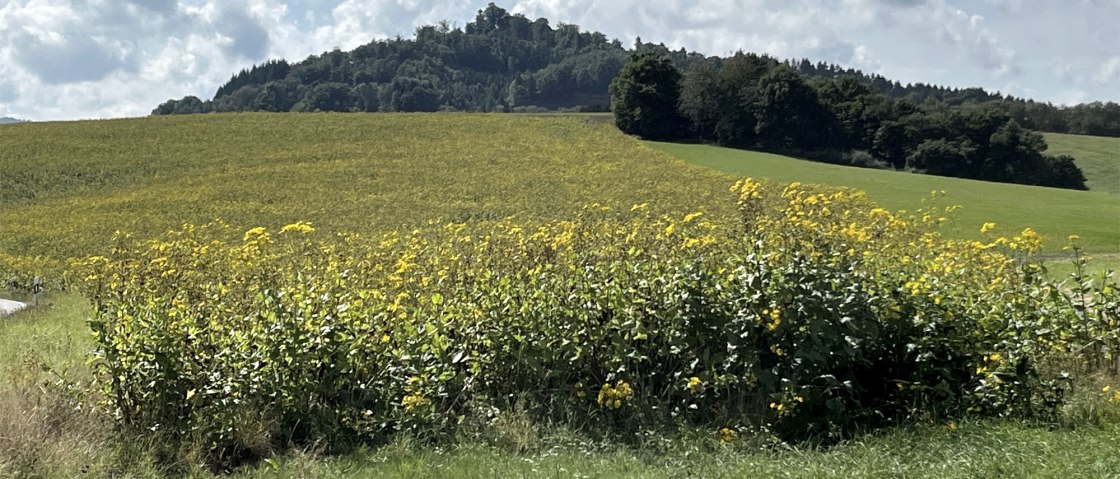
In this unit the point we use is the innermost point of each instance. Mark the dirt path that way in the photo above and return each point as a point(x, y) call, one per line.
point(8, 307)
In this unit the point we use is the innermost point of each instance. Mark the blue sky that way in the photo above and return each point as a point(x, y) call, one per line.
point(72, 59)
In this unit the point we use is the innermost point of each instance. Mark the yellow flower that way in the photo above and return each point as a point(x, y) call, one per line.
point(256, 233)
point(728, 435)
point(614, 397)
point(299, 227)
point(413, 402)
point(987, 227)
point(691, 216)
point(775, 318)
point(695, 385)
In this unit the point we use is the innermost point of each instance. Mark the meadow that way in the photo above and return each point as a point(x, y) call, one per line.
point(1054, 213)
point(404, 295)
point(1097, 156)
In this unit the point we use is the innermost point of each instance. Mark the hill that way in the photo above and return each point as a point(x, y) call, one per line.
point(506, 62)
point(549, 306)
point(7, 120)
point(69, 185)
point(1098, 157)
point(1054, 213)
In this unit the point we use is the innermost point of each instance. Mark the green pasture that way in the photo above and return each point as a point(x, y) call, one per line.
point(1097, 156)
point(1054, 213)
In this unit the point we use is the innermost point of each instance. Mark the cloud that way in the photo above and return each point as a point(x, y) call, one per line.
point(1109, 72)
point(159, 6)
point(100, 58)
point(69, 58)
point(247, 38)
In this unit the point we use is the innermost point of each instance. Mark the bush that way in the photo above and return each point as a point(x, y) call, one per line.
point(816, 316)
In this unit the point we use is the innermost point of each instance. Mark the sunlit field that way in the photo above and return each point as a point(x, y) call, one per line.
point(453, 295)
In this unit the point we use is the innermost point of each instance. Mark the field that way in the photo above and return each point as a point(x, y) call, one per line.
point(1097, 156)
point(442, 205)
point(1054, 213)
point(67, 187)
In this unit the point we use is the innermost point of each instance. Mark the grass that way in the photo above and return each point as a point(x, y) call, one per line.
point(1054, 213)
point(988, 449)
point(47, 428)
point(1097, 156)
point(68, 186)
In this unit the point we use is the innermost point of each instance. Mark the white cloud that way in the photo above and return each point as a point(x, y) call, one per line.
point(1109, 72)
point(62, 59)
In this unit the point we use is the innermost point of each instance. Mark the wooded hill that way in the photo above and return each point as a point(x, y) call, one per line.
point(507, 62)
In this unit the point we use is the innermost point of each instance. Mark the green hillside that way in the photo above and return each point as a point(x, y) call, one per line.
point(553, 341)
point(1097, 156)
point(1054, 213)
point(67, 187)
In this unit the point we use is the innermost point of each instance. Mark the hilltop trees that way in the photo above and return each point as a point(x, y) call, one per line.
point(507, 62)
point(498, 62)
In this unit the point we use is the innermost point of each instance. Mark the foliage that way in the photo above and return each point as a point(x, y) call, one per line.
point(757, 102)
point(498, 62)
point(819, 313)
point(644, 97)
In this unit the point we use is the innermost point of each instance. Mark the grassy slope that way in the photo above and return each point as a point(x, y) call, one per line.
point(1097, 156)
point(1054, 213)
point(67, 187)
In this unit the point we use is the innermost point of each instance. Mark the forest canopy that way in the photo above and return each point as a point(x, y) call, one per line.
point(505, 62)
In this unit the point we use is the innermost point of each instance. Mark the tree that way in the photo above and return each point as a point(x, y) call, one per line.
point(738, 91)
point(789, 112)
point(700, 98)
point(942, 157)
point(326, 97)
point(645, 95)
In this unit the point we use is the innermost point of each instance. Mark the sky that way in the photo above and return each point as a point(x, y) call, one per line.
point(81, 59)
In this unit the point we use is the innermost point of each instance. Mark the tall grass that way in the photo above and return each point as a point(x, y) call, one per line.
point(48, 426)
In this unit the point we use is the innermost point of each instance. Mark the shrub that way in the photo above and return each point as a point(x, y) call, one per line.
point(817, 315)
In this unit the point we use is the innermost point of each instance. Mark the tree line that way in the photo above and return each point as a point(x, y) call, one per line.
point(755, 101)
point(498, 62)
point(506, 62)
